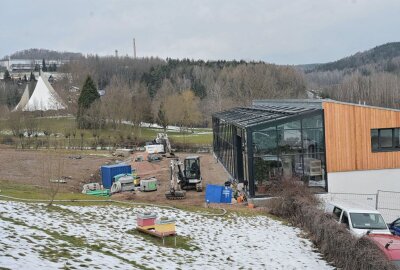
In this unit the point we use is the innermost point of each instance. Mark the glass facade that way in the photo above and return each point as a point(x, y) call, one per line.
point(284, 147)
point(229, 147)
point(289, 150)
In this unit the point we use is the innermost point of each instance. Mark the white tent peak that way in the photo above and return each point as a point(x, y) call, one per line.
point(44, 97)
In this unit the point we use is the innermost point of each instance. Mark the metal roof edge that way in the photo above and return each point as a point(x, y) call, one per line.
point(360, 105)
point(303, 103)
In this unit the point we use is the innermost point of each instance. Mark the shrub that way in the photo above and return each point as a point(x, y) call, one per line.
point(298, 205)
point(7, 140)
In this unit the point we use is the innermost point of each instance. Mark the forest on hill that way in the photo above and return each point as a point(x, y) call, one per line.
point(372, 77)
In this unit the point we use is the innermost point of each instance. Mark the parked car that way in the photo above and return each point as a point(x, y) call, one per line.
point(389, 244)
point(394, 227)
point(359, 220)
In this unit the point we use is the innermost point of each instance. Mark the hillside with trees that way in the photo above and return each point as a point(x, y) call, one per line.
point(372, 77)
point(381, 58)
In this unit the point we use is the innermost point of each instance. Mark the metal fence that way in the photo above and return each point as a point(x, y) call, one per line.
point(386, 202)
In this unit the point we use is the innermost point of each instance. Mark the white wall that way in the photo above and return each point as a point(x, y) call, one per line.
point(364, 182)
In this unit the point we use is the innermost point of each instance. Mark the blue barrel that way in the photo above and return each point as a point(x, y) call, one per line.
point(109, 171)
point(218, 194)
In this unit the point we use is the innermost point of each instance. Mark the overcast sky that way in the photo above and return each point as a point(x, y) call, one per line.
point(282, 32)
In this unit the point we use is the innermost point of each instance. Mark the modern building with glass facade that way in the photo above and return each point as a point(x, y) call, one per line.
point(330, 145)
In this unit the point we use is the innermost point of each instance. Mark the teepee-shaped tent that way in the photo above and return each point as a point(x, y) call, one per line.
point(24, 99)
point(44, 97)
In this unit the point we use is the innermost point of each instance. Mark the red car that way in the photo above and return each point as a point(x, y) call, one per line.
point(389, 244)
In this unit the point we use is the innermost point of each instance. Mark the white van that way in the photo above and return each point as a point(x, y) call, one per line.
point(358, 219)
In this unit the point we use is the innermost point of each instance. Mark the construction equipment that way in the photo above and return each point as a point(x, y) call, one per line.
point(162, 138)
point(192, 174)
point(160, 145)
point(188, 178)
point(175, 192)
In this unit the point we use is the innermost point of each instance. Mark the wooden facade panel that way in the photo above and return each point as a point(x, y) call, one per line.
point(348, 137)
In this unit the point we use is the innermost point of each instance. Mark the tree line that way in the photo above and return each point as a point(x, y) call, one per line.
point(178, 92)
point(169, 92)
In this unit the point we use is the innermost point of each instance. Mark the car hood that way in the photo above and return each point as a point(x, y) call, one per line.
point(362, 232)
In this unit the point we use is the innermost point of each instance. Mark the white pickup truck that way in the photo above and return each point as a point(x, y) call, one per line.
point(359, 220)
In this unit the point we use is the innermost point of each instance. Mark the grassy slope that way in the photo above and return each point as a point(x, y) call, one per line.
point(64, 124)
point(9, 188)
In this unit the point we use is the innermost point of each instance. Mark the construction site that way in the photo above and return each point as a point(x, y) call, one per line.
point(152, 199)
point(78, 169)
point(161, 204)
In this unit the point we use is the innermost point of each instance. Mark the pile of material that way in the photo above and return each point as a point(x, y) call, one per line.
point(154, 157)
point(125, 182)
point(95, 189)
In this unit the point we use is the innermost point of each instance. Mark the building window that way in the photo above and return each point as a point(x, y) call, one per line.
point(385, 139)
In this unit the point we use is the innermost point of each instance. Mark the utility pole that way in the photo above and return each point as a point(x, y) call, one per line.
point(134, 48)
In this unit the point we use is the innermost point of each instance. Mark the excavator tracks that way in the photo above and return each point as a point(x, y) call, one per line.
point(178, 195)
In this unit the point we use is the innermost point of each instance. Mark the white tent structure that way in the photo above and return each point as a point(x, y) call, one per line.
point(44, 97)
point(24, 99)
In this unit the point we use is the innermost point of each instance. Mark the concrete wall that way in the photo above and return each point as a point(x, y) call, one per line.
point(364, 182)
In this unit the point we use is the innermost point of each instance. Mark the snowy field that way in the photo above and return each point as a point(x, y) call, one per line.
point(32, 236)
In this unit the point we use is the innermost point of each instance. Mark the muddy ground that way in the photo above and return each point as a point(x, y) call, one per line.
point(32, 166)
point(26, 167)
point(211, 172)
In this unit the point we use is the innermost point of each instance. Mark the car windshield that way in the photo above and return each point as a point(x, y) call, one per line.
point(367, 221)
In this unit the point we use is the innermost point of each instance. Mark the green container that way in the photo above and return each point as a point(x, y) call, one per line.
point(99, 193)
point(148, 184)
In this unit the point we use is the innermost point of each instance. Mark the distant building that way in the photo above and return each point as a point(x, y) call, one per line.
point(340, 147)
point(28, 64)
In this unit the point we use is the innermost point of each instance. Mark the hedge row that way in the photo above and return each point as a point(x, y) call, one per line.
point(296, 204)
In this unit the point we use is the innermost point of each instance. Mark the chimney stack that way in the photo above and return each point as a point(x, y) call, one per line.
point(134, 48)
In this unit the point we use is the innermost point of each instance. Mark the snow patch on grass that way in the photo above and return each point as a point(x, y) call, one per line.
point(101, 236)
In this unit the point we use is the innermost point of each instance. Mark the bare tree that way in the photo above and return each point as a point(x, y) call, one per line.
point(52, 173)
point(15, 122)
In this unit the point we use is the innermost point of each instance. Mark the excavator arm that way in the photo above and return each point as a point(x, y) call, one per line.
point(176, 176)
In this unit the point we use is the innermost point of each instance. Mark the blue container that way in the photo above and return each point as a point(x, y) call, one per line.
point(226, 196)
point(218, 194)
point(109, 171)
